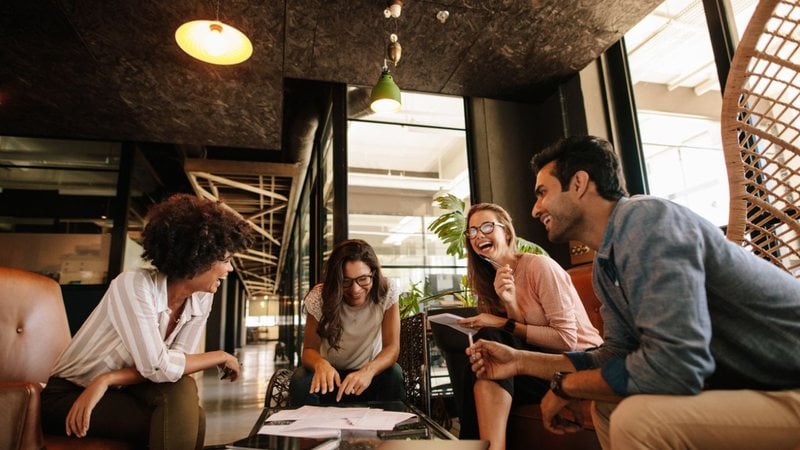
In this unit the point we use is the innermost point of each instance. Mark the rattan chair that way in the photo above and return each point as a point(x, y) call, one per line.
point(760, 135)
point(413, 359)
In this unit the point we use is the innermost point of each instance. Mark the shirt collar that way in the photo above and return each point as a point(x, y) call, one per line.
point(193, 304)
point(607, 244)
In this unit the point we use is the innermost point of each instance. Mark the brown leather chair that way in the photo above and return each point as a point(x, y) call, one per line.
point(525, 429)
point(33, 333)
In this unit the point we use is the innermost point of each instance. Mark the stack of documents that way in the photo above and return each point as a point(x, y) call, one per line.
point(328, 421)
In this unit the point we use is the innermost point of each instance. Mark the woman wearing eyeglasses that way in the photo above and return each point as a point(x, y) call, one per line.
point(352, 333)
point(525, 301)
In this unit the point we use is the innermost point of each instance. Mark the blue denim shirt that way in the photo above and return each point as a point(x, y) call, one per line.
point(684, 309)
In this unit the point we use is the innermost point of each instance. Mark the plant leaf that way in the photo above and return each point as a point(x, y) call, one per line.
point(526, 246)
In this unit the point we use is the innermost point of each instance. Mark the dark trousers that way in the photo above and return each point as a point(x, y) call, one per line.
point(386, 386)
point(523, 389)
point(154, 415)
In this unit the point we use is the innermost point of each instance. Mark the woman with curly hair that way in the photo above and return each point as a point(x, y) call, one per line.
point(525, 301)
point(125, 373)
point(352, 334)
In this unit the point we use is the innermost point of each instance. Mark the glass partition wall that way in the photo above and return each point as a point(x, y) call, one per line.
point(397, 164)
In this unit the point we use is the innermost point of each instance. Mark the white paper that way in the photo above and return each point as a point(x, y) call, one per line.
point(318, 421)
point(319, 412)
point(451, 321)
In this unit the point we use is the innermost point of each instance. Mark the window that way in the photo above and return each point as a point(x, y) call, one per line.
point(397, 164)
point(678, 104)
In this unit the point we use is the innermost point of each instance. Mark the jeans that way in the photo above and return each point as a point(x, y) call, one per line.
point(385, 386)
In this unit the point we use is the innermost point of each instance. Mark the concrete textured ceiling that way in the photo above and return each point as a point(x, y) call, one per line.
point(110, 69)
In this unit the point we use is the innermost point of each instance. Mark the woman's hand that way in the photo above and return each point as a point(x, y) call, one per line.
point(80, 414)
point(504, 285)
point(230, 368)
point(355, 383)
point(326, 378)
point(482, 320)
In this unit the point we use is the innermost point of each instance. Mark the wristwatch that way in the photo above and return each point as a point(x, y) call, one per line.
point(510, 325)
point(555, 385)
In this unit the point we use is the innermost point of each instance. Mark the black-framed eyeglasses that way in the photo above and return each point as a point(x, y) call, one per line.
point(363, 281)
point(485, 228)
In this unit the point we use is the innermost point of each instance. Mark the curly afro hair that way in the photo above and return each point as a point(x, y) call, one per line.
point(185, 235)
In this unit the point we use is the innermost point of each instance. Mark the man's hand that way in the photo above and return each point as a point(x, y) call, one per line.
point(493, 360)
point(326, 378)
point(80, 414)
point(355, 383)
point(561, 416)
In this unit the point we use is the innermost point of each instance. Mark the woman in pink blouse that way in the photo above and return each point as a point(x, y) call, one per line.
point(524, 300)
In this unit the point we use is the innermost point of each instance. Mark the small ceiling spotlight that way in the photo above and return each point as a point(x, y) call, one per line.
point(393, 8)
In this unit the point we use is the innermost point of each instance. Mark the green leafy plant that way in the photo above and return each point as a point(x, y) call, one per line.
point(450, 226)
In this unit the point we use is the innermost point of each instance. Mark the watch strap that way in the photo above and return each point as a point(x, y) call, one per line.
point(556, 385)
point(510, 325)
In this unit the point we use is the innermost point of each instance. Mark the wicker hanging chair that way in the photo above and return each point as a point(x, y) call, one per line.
point(761, 134)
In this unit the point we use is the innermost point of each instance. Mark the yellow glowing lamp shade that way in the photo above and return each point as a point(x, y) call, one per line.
point(213, 42)
point(385, 96)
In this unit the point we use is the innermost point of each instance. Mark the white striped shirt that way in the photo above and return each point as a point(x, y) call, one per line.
point(128, 327)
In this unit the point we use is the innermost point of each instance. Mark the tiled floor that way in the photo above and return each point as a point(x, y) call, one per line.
point(232, 408)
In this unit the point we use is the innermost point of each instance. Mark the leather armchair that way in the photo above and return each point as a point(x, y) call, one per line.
point(33, 333)
point(525, 427)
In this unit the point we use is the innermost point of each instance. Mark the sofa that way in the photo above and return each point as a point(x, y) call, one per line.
point(33, 333)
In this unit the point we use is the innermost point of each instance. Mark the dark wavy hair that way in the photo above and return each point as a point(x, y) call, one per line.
point(330, 325)
point(591, 154)
point(185, 235)
point(480, 274)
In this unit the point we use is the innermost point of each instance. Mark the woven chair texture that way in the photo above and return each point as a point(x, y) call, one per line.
point(413, 359)
point(760, 135)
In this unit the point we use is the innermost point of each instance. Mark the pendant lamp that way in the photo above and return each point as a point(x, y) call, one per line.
point(213, 41)
point(385, 96)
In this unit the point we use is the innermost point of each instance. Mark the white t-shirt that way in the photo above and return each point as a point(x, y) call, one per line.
point(361, 329)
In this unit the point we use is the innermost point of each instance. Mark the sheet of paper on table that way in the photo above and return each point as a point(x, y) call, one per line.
point(323, 422)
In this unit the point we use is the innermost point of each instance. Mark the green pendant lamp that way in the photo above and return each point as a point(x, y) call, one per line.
point(385, 96)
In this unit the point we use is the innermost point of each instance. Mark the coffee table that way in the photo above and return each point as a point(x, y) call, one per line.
point(425, 428)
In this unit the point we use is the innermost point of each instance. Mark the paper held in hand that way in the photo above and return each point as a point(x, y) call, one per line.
point(451, 321)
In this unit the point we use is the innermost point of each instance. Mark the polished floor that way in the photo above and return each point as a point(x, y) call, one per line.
point(232, 408)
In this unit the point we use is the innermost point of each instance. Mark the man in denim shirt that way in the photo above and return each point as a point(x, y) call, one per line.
point(702, 338)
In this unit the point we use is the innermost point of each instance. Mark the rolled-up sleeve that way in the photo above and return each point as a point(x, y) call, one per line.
point(134, 317)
